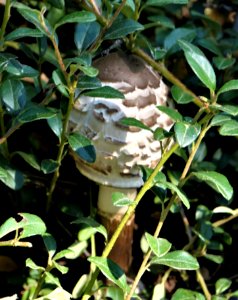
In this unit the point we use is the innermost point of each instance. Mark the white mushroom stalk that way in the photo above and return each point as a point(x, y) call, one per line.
point(121, 150)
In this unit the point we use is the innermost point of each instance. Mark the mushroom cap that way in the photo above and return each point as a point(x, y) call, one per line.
point(121, 150)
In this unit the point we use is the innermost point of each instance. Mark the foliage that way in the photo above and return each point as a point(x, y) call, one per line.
point(46, 53)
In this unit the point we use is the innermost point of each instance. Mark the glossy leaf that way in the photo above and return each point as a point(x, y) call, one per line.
point(13, 94)
point(29, 224)
point(230, 109)
point(179, 259)
point(164, 2)
point(222, 285)
point(159, 246)
point(30, 264)
point(134, 122)
point(50, 244)
point(180, 194)
point(180, 96)
point(85, 34)
point(62, 254)
point(160, 134)
point(122, 27)
point(199, 64)
point(88, 83)
point(111, 270)
point(56, 124)
point(186, 133)
point(60, 4)
point(11, 177)
point(49, 166)
point(59, 293)
point(120, 199)
point(228, 86)
point(76, 17)
point(217, 181)
point(223, 63)
point(30, 159)
point(187, 295)
point(104, 92)
point(89, 71)
point(96, 227)
point(220, 119)
point(23, 32)
point(82, 146)
point(114, 293)
point(218, 259)
point(172, 113)
point(60, 267)
point(5, 59)
point(76, 249)
point(33, 112)
point(35, 17)
point(229, 128)
point(171, 40)
point(59, 81)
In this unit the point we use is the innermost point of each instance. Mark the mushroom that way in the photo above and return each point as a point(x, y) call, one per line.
point(121, 150)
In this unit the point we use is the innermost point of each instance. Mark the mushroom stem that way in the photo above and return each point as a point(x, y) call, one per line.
point(111, 217)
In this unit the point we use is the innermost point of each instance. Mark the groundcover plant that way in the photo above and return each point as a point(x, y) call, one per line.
point(54, 244)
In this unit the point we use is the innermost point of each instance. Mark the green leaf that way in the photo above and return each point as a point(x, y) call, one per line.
point(218, 259)
point(180, 194)
point(160, 134)
point(62, 254)
point(104, 92)
point(111, 270)
point(23, 32)
point(134, 122)
point(229, 109)
point(50, 279)
point(164, 2)
point(59, 81)
point(30, 225)
point(210, 44)
point(5, 59)
point(228, 86)
point(59, 293)
point(76, 17)
point(89, 71)
point(60, 4)
point(114, 293)
point(76, 249)
point(50, 244)
point(180, 96)
point(59, 267)
point(88, 83)
point(222, 285)
point(120, 199)
point(217, 181)
point(35, 17)
point(186, 133)
point(187, 295)
point(180, 260)
point(12, 178)
point(82, 146)
point(13, 94)
point(199, 64)
point(159, 246)
point(49, 166)
point(85, 34)
point(122, 27)
point(172, 113)
point(94, 225)
point(56, 124)
point(223, 63)
point(229, 128)
point(171, 40)
point(34, 112)
point(29, 158)
point(220, 119)
point(30, 264)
